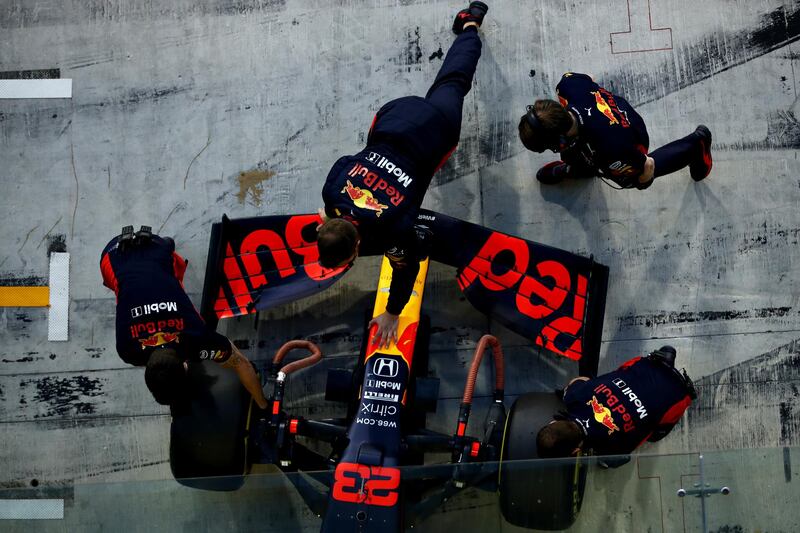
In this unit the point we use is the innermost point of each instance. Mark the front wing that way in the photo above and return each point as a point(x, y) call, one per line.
point(551, 296)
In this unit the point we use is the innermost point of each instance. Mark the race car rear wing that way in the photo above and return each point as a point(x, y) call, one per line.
point(551, 296)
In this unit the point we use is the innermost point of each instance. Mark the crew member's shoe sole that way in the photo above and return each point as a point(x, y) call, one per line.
point(474, 13)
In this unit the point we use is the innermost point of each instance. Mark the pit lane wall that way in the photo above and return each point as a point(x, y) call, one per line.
point(181, 112)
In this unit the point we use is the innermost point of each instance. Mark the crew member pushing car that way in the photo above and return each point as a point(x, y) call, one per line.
point(615, 413)
point(156, 324)
point(372, 198)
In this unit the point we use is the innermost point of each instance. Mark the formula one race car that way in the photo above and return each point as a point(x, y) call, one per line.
point(553, 297)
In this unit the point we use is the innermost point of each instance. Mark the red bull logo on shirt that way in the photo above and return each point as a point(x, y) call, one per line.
point(156, 335)
point(374, 182)
point(158, 339)
point(604, 108)
point(364, 198)
point(602, 414)
point(616, 406)
point(606, 104)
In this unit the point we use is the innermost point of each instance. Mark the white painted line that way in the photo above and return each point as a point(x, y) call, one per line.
point(58, 319)
point(31, 509)
point(52, 88)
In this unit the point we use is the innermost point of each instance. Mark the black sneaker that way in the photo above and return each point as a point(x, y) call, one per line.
point(553, 172)
point(701, 168)
point(145, 234)
point(474, 13)
point(125, 238)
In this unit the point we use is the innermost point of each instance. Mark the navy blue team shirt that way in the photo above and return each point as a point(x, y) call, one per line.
point(612, 137)
point(380, 189)
point(618, 411)
point(153, 310)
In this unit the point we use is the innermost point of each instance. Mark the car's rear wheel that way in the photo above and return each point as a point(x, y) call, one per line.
point(537, 494)
point(208, 435)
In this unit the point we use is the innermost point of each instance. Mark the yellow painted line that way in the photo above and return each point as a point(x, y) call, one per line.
point(24, 296)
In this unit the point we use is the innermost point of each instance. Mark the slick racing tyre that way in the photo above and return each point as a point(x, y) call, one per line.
point(537, 494)
point(208, 435)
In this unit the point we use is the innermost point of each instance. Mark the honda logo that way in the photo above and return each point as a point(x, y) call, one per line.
point(386, 368)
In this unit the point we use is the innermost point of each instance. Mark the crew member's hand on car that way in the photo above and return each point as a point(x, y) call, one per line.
point(387, 328)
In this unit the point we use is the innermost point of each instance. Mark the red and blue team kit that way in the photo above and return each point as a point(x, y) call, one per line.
point(382, 187)
point(371, 187)
point(620, 410)
point(613, 138)
point(153, 309)
point(381, 192)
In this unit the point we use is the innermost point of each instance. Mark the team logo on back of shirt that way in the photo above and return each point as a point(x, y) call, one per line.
point(604, 108)
point(159, 338)
point(376, 184)
point(602, 414)
point(364, 198)
point(605, 103)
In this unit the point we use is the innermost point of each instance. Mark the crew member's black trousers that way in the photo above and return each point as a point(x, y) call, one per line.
point(675, 155)
point(427, 130)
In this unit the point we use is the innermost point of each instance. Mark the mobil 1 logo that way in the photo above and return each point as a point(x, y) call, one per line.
point(385, 375)
point(384, 379)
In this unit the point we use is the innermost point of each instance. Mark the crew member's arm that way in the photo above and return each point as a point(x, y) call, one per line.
point(579, 378)
point(404, 273)
point(411, 246)
point(630, 167)
point(241, 365)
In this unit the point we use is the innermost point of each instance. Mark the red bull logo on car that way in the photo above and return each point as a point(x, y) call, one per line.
point(602, 414)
